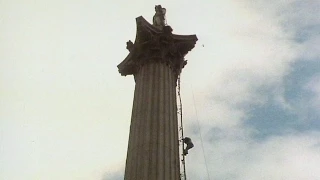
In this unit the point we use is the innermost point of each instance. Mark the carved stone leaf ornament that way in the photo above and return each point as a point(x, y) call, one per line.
point(155, 45)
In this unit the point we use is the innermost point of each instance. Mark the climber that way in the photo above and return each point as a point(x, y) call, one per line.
point(189, 144)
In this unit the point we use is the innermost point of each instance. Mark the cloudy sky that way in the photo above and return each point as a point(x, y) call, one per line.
point(251, 88)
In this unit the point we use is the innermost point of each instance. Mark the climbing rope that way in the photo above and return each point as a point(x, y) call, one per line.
point(183, 175)
point(200, 134)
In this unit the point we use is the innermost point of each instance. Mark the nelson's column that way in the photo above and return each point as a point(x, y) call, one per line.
point(155, 60)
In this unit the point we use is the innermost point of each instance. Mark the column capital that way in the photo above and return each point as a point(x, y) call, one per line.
point(156, 45)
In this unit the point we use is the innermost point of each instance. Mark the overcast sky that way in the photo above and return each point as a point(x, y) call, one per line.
point(254, 75)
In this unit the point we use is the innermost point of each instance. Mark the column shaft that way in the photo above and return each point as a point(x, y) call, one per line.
point(153, 148)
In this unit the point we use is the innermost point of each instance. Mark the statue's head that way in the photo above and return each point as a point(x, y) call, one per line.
point(158, 8)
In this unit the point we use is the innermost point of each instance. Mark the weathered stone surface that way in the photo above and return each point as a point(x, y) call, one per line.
point(152, 44)
point(153, 142)
point(155, 59)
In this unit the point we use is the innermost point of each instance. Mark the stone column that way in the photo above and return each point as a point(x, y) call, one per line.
point(155, 59)
point(153, 150)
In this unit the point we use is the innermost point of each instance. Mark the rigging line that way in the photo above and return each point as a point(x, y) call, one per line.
point(181, 128)
point(204, 155)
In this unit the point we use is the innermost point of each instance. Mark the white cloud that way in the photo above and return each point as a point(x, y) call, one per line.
point(290, 157)
point(248, 62)
point(281, 157)
point(300, 19)
point(245, 68)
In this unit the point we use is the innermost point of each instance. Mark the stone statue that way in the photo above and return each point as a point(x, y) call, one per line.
point(159, 19)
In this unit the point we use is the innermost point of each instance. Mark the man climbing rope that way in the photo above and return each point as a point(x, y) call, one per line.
point(189, 144)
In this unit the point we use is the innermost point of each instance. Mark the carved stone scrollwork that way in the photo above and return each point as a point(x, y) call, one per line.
point(130, 45)
point(155, 45)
